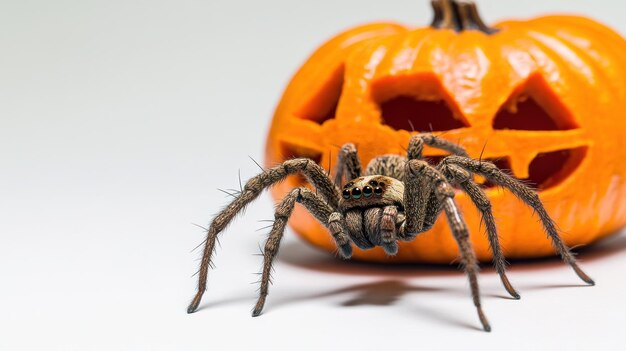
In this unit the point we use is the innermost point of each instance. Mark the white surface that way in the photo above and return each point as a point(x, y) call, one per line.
point(119, 119)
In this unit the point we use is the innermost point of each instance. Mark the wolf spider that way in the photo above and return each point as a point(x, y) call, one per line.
point(396, 198)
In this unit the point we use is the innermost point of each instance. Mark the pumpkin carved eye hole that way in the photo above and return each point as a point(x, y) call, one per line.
point(322, 105)
point(414, 114)
point(524, 113)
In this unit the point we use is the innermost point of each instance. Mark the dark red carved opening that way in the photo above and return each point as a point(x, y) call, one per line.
point(412, 114)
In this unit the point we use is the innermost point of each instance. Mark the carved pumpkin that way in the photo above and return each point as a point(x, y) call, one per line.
point(544, 98)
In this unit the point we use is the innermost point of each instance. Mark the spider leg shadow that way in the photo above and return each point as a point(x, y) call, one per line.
point(614, 244)
point(386, 291)
point(380, 293)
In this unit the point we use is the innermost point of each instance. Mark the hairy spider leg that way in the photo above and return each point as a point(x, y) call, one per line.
point(528, 196)
point(416, 146)
point(474, 192)
point(417, 170)
point(314, 204)
point(458, 176)
point(337, 225)
point(347, 163)
point(253, 188)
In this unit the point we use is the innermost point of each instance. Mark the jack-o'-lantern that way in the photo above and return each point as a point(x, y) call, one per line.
point(543, 98)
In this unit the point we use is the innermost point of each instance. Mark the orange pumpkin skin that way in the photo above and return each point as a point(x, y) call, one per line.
point(571, 67)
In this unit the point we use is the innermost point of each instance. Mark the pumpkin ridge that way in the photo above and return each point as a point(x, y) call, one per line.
point(573, 21)
point(601, 34)
point(596, 82)
point(598, 61)
point(422, 52)
point(409, 50)
point(466, 71)
point(361, 63)
point(600, 43)
point(564, 52)
point(365, 60)
point(552, 62)
point(602, 77)
point(389, 61)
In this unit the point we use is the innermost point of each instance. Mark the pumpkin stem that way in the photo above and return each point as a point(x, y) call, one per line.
point(458, 15)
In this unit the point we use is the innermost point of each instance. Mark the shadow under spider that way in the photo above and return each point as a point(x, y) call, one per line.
point(381, 293)
point(385, 293)
point(298, 254)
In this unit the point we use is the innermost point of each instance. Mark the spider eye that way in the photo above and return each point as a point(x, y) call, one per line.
point(356, 193)
point(378, 191)
point(367, 191)
point(373, 183)
point(346, 194)
point(348, 185)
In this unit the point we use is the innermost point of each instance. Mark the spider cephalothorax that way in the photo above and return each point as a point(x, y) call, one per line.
point(370, 205)
point(395, 199)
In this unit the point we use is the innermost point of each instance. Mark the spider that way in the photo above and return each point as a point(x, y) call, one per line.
point(396, 198)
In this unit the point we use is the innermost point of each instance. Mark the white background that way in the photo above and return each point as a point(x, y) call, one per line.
point(118, 121)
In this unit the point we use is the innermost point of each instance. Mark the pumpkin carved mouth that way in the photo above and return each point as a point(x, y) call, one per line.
point(547, 169)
